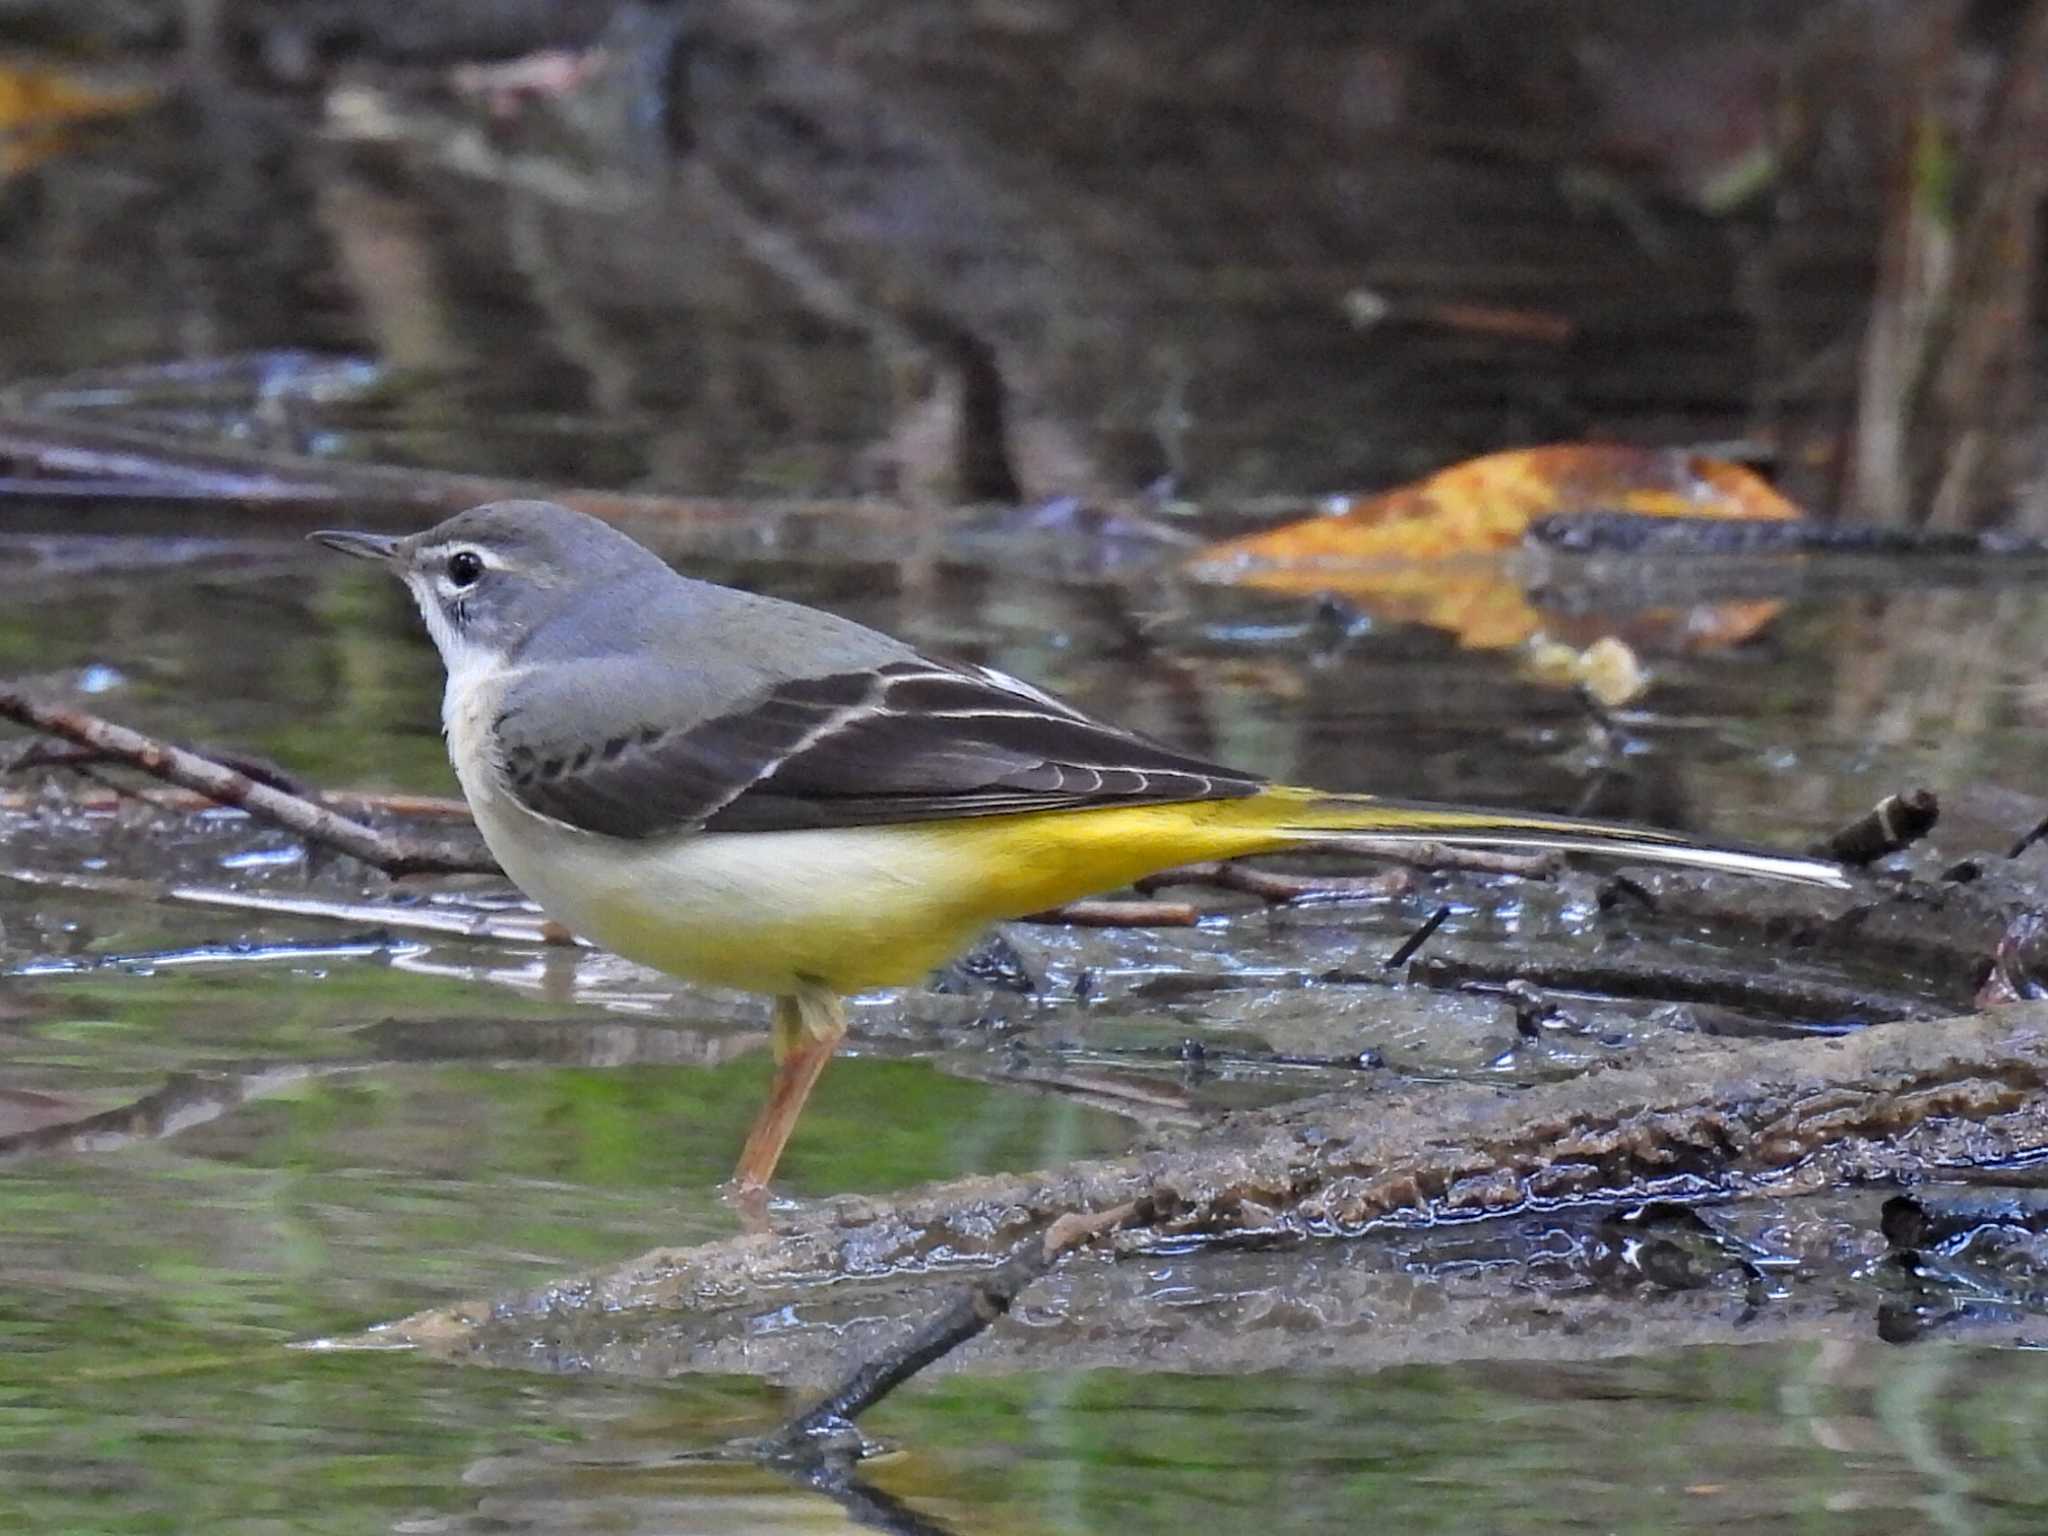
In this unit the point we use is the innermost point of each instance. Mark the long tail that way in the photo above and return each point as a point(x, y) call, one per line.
point(1307, 814)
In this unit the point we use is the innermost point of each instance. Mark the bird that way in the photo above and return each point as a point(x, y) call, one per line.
point(751, 793)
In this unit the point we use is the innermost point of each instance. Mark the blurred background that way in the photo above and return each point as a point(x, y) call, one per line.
point(1030, 248)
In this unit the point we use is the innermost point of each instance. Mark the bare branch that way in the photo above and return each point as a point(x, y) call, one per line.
point(972, 1310)
point(1272, 885)
point(1122, 914)
point(228, 786)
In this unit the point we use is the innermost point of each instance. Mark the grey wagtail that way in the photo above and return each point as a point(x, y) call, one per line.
point(755, 794)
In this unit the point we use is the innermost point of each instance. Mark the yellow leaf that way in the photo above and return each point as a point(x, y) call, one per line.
point(39, 107)
point(1429, 552)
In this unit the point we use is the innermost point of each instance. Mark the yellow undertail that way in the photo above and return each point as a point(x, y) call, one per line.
point(847, 910)
point(983, 870)
point(1045, 858)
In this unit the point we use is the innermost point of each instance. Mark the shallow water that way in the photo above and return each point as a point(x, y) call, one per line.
point(438, 1119)
point(365, 1122)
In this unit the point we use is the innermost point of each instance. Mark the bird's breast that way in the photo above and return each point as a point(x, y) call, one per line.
point(469, 711)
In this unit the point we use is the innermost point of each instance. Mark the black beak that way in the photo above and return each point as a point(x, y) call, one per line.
point(364, 546)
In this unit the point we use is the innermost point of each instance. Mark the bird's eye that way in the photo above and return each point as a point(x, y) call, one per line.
point(465, 567)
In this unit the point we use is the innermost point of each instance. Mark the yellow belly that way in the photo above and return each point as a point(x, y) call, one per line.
point(850, 909)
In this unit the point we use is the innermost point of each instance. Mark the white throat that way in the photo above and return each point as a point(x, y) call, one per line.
point(467, 664)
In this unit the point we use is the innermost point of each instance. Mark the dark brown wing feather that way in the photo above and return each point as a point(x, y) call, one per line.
point(910, 741)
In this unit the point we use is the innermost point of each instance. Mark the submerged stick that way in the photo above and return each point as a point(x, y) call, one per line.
point(972, 1310)
point(188, 1099)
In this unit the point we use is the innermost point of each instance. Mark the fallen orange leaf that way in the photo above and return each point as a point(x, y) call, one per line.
point(1429, 552)
point(39, 105)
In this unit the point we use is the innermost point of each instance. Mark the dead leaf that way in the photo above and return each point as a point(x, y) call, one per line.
point(40, 108)
point(1430, 552)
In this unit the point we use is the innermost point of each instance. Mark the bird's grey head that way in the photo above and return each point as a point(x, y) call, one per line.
point(487, 579)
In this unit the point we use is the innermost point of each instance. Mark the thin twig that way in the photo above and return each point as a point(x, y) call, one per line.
point(868, 1507)
point(1122, 914)
point(357, 801)
point(174, 765)
point(1421, 936)
point(2031, 836)
point(971, 1310)
point(33, 753)
point(1274, 886)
